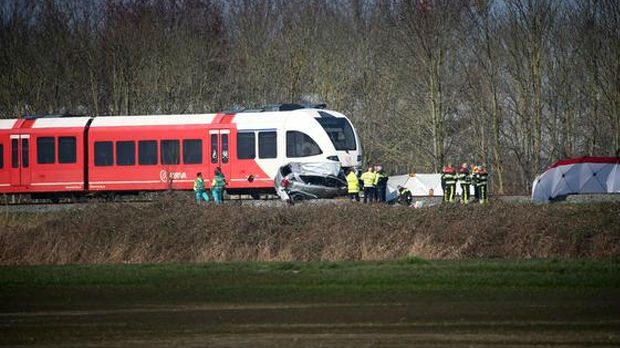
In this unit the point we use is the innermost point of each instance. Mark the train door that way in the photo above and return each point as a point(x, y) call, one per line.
point(20, 159)
point(220, 151)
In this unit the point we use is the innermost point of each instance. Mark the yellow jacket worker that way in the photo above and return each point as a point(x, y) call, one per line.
point(353, 185)
point(369, 185)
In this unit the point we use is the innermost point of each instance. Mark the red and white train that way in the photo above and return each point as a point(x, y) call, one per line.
point(51, 157)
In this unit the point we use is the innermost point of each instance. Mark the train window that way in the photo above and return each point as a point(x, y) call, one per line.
point(14, 153)
point(224, 148)
point(25, 153)
point(46, 150)
point(147, 152)
point(1, 156)
point(125, 153)
point(66, 150)
point(339, 131)
point(214, 148)
point(192, 151)
point(267, 145)
point(104, 153)
point(299, 144)
point(170, 152)
point(246, 145)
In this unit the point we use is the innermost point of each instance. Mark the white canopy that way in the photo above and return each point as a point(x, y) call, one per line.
point(577, 176)
point(418, 184)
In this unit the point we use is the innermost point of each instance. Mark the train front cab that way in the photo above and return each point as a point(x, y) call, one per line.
point(342, 136)
point(42, 157)
point(323, 135)
point(267, 141)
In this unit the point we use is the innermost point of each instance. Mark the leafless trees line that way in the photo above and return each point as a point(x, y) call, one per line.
point(512, 84)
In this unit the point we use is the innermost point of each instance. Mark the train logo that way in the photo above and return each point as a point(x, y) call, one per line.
point(166, 176)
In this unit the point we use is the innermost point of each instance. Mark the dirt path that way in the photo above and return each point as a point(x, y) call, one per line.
point(428, 321)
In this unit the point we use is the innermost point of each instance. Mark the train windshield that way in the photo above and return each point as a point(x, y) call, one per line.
point(340, 132)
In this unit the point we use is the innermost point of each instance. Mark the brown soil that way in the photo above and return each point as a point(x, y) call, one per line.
point(428, 321)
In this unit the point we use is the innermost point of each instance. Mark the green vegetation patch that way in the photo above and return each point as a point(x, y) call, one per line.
point(101, 286)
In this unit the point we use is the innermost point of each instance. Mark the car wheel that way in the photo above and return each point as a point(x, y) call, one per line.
point(297, 197)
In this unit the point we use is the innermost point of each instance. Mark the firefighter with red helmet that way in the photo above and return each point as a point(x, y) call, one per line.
point(482, 181)
point(464, 180)
point(448, 183)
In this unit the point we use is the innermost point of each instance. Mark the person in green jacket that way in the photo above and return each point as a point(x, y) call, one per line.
point(200, 189)
point(217, 186)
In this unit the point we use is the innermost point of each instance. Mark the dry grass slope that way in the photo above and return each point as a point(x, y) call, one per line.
point(174, 229)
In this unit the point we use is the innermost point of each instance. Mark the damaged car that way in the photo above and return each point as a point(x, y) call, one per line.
point(296, 181)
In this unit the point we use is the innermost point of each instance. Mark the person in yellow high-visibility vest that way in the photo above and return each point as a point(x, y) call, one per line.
point(368, 178)
point(353, 185)
point(217, 186)
point(200, 189)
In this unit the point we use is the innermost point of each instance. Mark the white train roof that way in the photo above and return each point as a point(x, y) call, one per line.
point(152, 120)
point(7, 124)
point(60, 122)
point(243, 120)
point(256, 120)
point(260, 120)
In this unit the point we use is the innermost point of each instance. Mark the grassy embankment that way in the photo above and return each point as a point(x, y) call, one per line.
point(174, 229)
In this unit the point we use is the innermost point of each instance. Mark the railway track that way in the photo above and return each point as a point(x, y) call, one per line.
point(44, 206)
point(26, 205)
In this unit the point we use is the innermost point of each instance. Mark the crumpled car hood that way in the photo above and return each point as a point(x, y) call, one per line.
point(310, 181)
point(318, 168)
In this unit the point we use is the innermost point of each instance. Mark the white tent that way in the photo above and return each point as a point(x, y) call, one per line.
point(419, 185)
point(577, 176)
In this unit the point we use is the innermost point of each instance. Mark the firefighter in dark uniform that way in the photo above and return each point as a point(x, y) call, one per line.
point(482, 182)
point(464, 180)
point(448, 183)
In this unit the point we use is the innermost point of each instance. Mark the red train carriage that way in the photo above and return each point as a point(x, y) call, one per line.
point(42, 155)
point(73, 155)
point(149, 152)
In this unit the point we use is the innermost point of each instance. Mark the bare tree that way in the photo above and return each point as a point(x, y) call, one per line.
point(427, 33)
point(487, 67)
point(531, 22)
